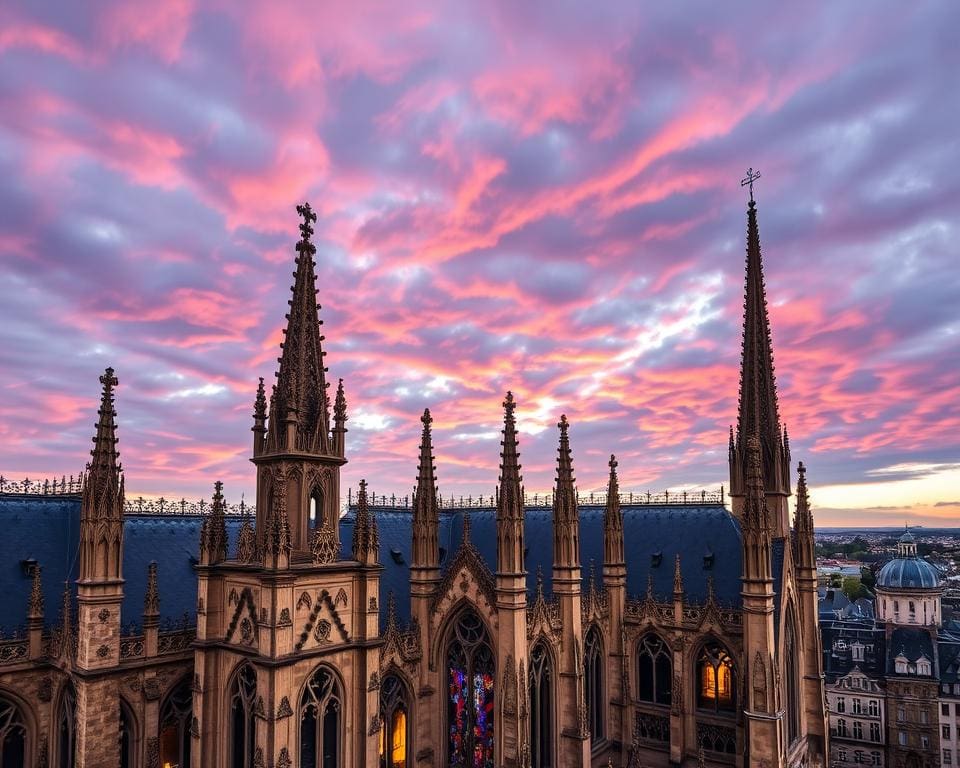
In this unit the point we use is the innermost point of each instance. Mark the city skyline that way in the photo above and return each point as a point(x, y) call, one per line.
point(506, 202)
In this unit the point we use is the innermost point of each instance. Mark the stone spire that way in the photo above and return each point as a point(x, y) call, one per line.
point(366, 539)
point(340, 421)
point(510, 509)
point(151, 599)
point(259, 427)
point(246, 538)
point(566, 517)
point(613, 554)
point(677, 579)
point(101, 515)
point(759, 413)
point(298, 408)
point(426, 511)
point(803, 523)
point(35, 603)
point(217, 535)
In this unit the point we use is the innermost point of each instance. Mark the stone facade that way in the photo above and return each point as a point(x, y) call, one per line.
point(693, 641)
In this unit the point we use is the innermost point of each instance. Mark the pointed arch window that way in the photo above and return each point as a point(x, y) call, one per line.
point(654, 671)
point(321, 719)
point(128, 736)
point(315, 509)
point(243, 730)
point(176, 714)
point(470, 677)
point(541, 708)
point(716, 679)
point(13, 736)
point(395, 719)
point(791, 650)
point(66, 727)
point(593, 664)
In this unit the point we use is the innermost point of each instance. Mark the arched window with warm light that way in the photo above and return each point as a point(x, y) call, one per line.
point(716, 679)
point(395, 720)
point(13, 735)
point(470, 702)
point(654, 671)
point(593, 666)
point(541, 708)
point(66, 726)
point(321, 721)
point(176, 713)
point(791, 649)
point(243, 727)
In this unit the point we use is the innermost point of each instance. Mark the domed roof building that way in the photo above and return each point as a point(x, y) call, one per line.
point(908, 587)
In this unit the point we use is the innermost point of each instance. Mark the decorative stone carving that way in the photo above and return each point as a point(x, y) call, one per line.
point(258, 758)
point(246, 631)
point(151, 688)
point(324, 545)
point(322, 631)
point(374, 725)
point(153, 752)
point(373, 603)
point(103, 651)
point(284, 709)
point(284, 620)
point(258, 708)
point(341, 598)
point(104, 615)
point(509, 686)
point(759, 684)
point(195, 728)
point(304, 601)
point(374, 683)
point(283, 760)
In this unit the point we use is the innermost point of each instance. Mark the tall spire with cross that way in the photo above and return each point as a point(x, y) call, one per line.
point(510, 509)
point(299, 414)
point(758, 409)
point(566, 516)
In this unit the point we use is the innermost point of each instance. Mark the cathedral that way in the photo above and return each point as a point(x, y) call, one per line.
point(562, 631)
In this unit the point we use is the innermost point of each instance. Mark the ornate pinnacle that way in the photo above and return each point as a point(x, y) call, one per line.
point(151, 600)
point(425, 509)
point(649, 586)
point(217, 530)
point(677, 576)
point(340, 406)
point(539, 582)
point(103, 485)
point(613, 553)
point(510, 502)
point(565, 480)
point(391, 611)
point(466, 527)
point(365, 534)
point(804, 518)
point(260, 403)
point(246, 540)
point(35, 603)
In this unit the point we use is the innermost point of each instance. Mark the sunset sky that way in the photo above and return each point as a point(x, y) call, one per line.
point(536, 196)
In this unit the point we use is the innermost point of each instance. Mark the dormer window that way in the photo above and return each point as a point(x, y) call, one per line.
point(923, 666)
point(900, 665)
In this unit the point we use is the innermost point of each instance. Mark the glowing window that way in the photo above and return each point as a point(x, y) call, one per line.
point(716, 677)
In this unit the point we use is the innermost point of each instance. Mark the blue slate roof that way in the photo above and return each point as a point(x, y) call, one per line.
point(706, 537)
point(912, 643)
point(47, 529)
point(908, 573)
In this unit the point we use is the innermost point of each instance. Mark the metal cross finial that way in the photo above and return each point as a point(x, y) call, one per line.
point(308, 217)
point(752, 176)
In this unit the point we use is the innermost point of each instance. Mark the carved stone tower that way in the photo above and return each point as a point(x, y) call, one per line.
point(100, 590)
point(511, 591)
point(571, 701)
point(288, 631)
point(615, 583)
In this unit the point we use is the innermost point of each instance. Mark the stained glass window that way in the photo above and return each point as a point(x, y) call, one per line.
point(655, 671)
point(321, 707)
point(470, 678)
point(395, 733)
point(541, 708)
point(716, 689)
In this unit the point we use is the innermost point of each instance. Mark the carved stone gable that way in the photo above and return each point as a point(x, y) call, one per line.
point(323, 623)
